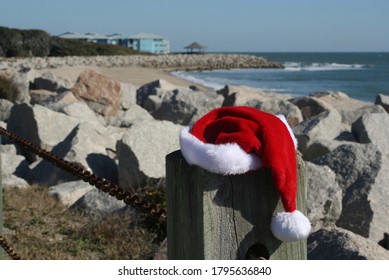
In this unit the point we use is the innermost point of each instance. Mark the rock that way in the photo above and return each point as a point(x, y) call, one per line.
point(320, 147)
point(361, 171)
point(352, 161)
point(53, 101)
point(81, 111)
point(338, 95)
point(128, 96)
point(152, 89)
point(369, 129)
point(310, 106)
point(12, 181)
point(40, 96)
point(127, 118)
point(5, 109)
point(382, 100)
point(22, 80)
point(186, 106)
point(350, 116)
point(102, 94)
point(41, 126)
point(275, 106)
point(340, 244)
point(153, 102)
point(340, 101)
point(14, 168)
point(68, 193)
point(96, 203)
point(50, 82)
point(142, 152)
point(88, 146)
point(240, 95)
point(12, 163)
point(326, 125)
point(324, 199)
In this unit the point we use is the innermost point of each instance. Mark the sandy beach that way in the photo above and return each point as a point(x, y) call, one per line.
point(137, 70)
point(134, 75)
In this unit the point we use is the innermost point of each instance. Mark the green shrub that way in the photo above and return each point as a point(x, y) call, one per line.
point(27, 43)
point(8, 89)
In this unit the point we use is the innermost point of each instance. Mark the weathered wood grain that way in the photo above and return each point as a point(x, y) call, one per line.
point(220, 217)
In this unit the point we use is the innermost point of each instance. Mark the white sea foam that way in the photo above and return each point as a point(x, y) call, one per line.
point(298, 66)
point(208, 83)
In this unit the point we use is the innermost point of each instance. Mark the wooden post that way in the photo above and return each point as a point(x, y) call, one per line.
point(226, 217)
point(1, 206)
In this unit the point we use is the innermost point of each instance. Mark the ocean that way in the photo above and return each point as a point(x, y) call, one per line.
point(359, 75)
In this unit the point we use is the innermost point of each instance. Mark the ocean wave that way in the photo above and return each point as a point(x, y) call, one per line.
point(299, 66)
point(208, 83)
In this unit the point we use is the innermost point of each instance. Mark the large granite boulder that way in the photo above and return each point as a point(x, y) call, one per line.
point(98, 203)
point(310, 106)
point(326, 125)
point(382, 100)
point(101, 93)
point(69, 192)
point(158, 88)
point(320, 147)
point(41, 126)
point(350, 116)
point(128, 96)
point(127, 118)
point(279, 107)
point(373, 128)
point(240, 95)
point(185, 106)
point(22, 79)
point(15, 171)
point(82, 112)
point(362, 173)
point(324, 196)
point(50, 82)
point(5, 109)
point(142, 151)
point(88, 145)
point(340, 244)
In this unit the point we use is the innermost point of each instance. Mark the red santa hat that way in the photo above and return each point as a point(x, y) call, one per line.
point(235, 140)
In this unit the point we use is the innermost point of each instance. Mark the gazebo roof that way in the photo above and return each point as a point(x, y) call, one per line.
point(195, 45)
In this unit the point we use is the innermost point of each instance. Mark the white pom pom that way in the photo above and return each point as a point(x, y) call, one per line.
point(290, 226)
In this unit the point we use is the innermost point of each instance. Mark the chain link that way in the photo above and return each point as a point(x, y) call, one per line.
point(102, 184)
point(8, 248)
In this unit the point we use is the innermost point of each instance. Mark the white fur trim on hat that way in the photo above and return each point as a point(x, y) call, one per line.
point(225, 159)
point(290, 226)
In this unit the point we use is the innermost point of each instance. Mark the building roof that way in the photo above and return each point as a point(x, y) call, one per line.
point(72, 35)
point(95, 36)
point(145, 36)
point(195, 45)
point(86, 36)
point(115, 36)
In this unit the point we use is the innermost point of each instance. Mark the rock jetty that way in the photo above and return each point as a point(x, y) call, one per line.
point(168, 61)
point(126, 138)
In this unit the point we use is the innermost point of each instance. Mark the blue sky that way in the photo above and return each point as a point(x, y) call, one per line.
point(221, 25)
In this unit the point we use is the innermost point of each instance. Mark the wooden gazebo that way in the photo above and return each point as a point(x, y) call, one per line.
point(195, 48)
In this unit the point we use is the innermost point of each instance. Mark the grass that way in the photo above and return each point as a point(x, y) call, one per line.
point(39, 227)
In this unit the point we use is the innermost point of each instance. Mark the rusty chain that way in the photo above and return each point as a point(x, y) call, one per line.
point(100, 183)
point(8, 248)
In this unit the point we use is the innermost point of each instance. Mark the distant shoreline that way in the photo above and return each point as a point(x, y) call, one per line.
point(171, 62)
point(136, 69)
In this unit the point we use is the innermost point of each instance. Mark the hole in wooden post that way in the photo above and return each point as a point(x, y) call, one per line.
point(257, 252)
